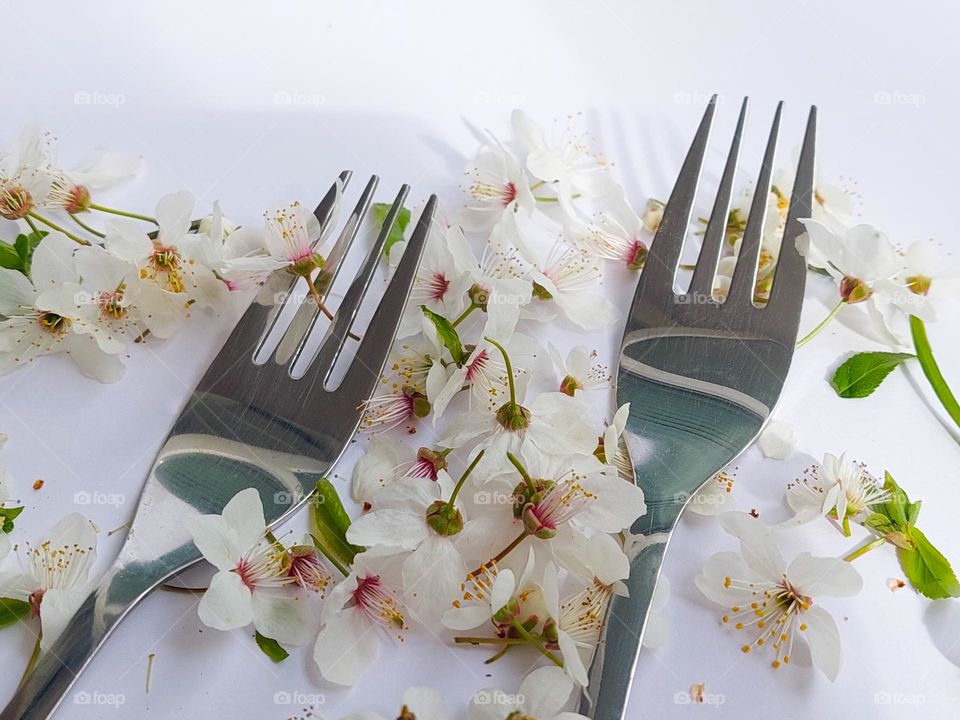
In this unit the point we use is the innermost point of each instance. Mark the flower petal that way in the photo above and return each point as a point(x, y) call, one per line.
point(279, 616)
point(817, 576)
point(823, 639)
point(227, 604)
point(346, 646)
point(545, 691)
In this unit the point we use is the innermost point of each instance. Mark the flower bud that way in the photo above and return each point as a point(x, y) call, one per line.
point(524, 495)
point(421, 406)
point(854, 290)
point(653, 215)
point(513, 416)
point(444, 519)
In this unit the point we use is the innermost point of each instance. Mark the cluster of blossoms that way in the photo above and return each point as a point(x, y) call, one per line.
point(88, 292)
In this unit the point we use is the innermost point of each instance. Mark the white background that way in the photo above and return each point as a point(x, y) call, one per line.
point(257, 103)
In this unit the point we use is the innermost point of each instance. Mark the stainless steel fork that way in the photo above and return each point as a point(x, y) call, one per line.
point(701, 376)
point(248, 424)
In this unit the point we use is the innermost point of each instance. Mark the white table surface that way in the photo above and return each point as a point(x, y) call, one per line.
point(257, 103)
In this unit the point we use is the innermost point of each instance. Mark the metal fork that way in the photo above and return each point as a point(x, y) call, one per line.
point(701, 376)
point(247, 424)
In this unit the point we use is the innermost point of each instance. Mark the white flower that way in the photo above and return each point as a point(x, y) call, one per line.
point(43, 317)
point(172, 274)
point(354, 610)
point(569, 163)
point(443, 277)
point(498, 186)
point(839, 488)
point(23, 184)
point(616, 235)
point(553, 423)
point(252, 572)
point(485, 593)
point(773, 603)
point(579, 372)
point(419, 703)
point(863, 263)
point(578, 619)
point(400, 523)
point(57, 578)
point(387, 460)
point(777, 440)
point(543, 695)
point(922, 281)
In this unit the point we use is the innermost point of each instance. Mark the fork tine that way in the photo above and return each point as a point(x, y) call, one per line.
point(791, 272)
point(745, 272)
point(713, 236)
point(365, 371)
point(324, 214)
point(333, 340)
point(665, 249)
point(308, 313)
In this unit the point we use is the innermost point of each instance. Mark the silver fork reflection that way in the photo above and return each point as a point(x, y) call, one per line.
point(701, 376)
point(248, 423)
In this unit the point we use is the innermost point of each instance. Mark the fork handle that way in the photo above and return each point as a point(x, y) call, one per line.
point(616, 655)
point(123, 586)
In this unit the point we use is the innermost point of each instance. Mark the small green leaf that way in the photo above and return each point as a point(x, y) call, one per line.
point(271, 648)
point(12, 610)
point(25, 245)
point(927, 569)
point(898, 506)
point(7, 516)
point(448, 335)
point(380, 211)
point(862, 373)
point(9, 257)
point(328, 526)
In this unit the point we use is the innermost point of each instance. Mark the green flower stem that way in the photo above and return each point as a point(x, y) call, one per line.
point(318, 299)
point(823, 323)
point(465, 314)
point(524, 633)
point(506, 361)
point(522, 470)
point(465, 640)
point(463, 478)
point(32, 224)
point(32, 662)
point(86, 227)
point(54, 226)
point(932, 370)
point(864, 549)
point(124, 213)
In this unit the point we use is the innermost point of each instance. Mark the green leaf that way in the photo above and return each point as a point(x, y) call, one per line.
point(271, 648)
point(7, 516)
point(448, 335)
point(380, 211)
point(25, 245)
point(898, 508)
point(931, 370)
point(9, 257)
point(12, 610)
point(862, 373)
point(927, 569)
point(328, 526)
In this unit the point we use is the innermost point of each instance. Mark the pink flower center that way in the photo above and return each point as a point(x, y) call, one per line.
point(437, 286)
point(478, 364)
point(509, 193)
